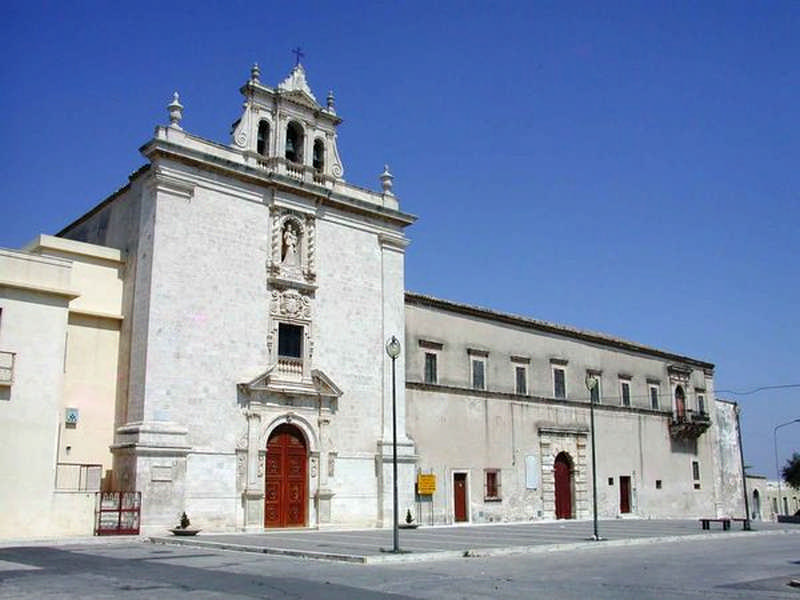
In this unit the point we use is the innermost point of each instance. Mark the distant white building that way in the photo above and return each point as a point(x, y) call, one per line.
point(247, 381)
point(768, 498)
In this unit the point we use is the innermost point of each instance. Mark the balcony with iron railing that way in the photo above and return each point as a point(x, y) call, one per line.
point(7, 360)
point(688, 424)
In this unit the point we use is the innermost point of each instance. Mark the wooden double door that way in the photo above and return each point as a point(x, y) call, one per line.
point(286, 493)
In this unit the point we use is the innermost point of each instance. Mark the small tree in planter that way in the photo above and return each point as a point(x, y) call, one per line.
point(409, 524)
point(184, 527)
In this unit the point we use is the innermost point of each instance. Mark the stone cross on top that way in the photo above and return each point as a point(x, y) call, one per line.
point(298, 53)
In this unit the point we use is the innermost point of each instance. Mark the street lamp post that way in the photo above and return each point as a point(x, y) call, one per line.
point(591, 383)
point(777, 468)
point(393, 350)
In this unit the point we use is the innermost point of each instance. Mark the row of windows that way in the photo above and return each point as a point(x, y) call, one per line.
point(295, 137)
point(491, 482)
point(559, 381)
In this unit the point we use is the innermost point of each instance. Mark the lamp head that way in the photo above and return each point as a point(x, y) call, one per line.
point(393, 347)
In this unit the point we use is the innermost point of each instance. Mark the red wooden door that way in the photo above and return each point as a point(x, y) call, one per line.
point(460, 496)
point(562, 471)
point(285, 493)
point(624, 494)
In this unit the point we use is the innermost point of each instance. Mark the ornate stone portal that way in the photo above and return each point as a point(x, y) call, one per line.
point(553, 441)
point(290, 391)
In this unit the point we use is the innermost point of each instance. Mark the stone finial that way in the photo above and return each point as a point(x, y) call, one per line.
point(330, 100)
point(386, 180)
point(175, 109)
point(255, 74)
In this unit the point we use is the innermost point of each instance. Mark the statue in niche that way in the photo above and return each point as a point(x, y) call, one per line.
point(289, 256)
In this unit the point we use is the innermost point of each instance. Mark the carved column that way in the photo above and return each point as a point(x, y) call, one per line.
point(324, 494)
point(254, 492)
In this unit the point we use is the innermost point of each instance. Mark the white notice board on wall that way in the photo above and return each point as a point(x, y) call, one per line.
point(531, 472)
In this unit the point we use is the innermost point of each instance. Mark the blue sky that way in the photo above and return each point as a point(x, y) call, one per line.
point(629, 168)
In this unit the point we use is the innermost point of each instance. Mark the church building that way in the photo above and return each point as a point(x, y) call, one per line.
point(252, 293)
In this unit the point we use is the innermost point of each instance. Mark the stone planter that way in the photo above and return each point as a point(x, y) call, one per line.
point(184, 531)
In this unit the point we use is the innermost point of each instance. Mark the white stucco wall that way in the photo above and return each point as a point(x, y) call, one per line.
point(33, 325)
point(458, 429)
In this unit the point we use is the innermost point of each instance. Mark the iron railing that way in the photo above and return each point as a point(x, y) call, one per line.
point(118, 513)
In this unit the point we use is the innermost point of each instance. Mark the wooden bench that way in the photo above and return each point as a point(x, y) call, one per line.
point(726, 523)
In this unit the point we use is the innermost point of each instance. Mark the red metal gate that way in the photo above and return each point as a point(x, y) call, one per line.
point(117, 513)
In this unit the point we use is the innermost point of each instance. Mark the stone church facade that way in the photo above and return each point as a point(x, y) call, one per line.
point(259, 291)
point(253, 389)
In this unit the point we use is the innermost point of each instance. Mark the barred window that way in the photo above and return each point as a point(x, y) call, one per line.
point(559, 383)
point(625, 388)
point(478, 374)
point(431, 375)
point(522, 380)
point(654, 397)
point(492, 480)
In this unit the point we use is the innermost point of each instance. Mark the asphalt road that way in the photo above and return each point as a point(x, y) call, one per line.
point(756, 566)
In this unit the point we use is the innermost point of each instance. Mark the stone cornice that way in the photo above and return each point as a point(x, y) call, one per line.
point(161, 148)
point(510, 397)
point(41, 289)
point(96, 314)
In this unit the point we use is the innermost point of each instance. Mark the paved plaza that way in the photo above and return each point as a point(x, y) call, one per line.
point(432, 543)
point(641, 560)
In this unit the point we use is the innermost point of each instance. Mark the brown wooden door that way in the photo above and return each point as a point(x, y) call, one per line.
point(285, 493)
point(624, 494)
point(460, 496)
point(562, 470)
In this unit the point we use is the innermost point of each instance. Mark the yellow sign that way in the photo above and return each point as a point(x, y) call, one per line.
point(426, 484)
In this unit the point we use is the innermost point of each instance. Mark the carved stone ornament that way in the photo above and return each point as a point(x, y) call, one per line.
point(241, 470)
point(293, 247)
point(313, 465)
point(260, 465)
point(331, 464)
point(291, 303)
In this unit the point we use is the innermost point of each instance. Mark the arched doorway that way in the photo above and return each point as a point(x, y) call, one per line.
point(286, 485)
point(756, 505)
point(562, 471)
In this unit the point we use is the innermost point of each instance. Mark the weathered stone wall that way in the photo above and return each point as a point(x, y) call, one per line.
point(458, 429)
point(729, 472)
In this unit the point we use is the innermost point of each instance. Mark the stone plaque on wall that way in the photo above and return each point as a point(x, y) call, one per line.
point(161, 473)
point(531, 472)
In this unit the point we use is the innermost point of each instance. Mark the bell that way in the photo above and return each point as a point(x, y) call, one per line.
point(290, 145)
